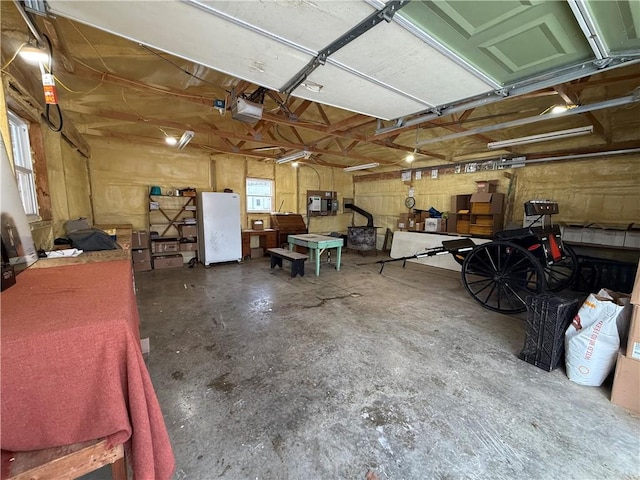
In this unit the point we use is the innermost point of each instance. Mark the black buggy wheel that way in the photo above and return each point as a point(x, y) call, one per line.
point(499, 275)
point(561, 274)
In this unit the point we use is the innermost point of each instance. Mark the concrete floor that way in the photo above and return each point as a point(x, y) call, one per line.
point(261, 376)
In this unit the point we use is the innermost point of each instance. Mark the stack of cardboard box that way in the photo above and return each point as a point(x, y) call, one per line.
point(140, 253)
point(420, 222)
point(626, 383)
point(486, 209)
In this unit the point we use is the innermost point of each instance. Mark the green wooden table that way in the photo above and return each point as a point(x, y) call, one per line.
point(317, 244)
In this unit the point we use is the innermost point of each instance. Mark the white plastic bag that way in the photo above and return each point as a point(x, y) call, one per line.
point(593, 339)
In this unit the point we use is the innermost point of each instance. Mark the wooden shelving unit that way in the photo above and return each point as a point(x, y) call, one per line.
point(174, 218)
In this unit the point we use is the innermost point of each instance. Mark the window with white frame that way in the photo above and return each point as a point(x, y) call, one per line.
point(259, 195)
point(23, 164)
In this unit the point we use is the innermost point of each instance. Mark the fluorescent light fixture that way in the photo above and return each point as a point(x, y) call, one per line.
point(293, 156)
point(543, 137)
point(35, 55)
point(185, 139)
point(362, 167)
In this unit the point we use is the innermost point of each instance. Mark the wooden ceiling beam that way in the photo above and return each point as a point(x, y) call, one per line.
point(297, 135)
point(219, 133)
point(464, 115)
point(350, 146)
point(95, 74)
point(569, 96)
point(301, 108)
point(323, 115)
point(350, 122)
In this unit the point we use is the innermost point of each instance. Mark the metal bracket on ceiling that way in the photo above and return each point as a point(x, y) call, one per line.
point(384, 14)
point(603, 62)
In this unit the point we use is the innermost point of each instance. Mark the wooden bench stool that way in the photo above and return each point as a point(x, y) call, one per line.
point(64, 463)
point(296, 259)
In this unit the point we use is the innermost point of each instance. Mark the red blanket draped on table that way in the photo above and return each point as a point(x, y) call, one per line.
point(72, 369)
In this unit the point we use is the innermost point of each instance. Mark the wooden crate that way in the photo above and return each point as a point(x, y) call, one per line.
point(484, 220)
point(481, 208)
point(484, 230)
point(462, 226)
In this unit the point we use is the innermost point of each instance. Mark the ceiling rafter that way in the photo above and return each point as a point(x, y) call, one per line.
point(569, 96)
point(350, 122)
point(295, 132)
point(323, 115)
point(464, 115)
point(126, 117)
point(226, 141)
point(84, 72)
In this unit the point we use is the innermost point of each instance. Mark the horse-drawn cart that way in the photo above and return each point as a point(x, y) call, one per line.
point(500, 274)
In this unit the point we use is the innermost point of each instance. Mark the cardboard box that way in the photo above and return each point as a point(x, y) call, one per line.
point(142, 266)
point(486, 186)
point(633, 344)
point(423, 216)
point(170, 261)
point(257, 224)
point(189, 246)
point(165, 246)
point(433, 225)
point(487, 203)
point(139, 256)
point(257, 252)
point(626, 384)
point(188, 231)
point(462, 226)
point(139, 239)
point(635, 294)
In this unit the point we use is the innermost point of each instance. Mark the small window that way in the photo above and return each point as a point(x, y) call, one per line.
point(259, 195)
point(23, 165)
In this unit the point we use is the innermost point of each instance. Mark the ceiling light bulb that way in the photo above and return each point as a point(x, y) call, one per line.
point(410, 158)
point(295, 164)
point(35, 55)
point(559, 109)
point(170, 140)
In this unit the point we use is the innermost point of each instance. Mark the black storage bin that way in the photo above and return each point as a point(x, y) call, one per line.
point(548, 318)
point(596, 273)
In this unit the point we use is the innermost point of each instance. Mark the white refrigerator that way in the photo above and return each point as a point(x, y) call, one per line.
point(219, 227)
